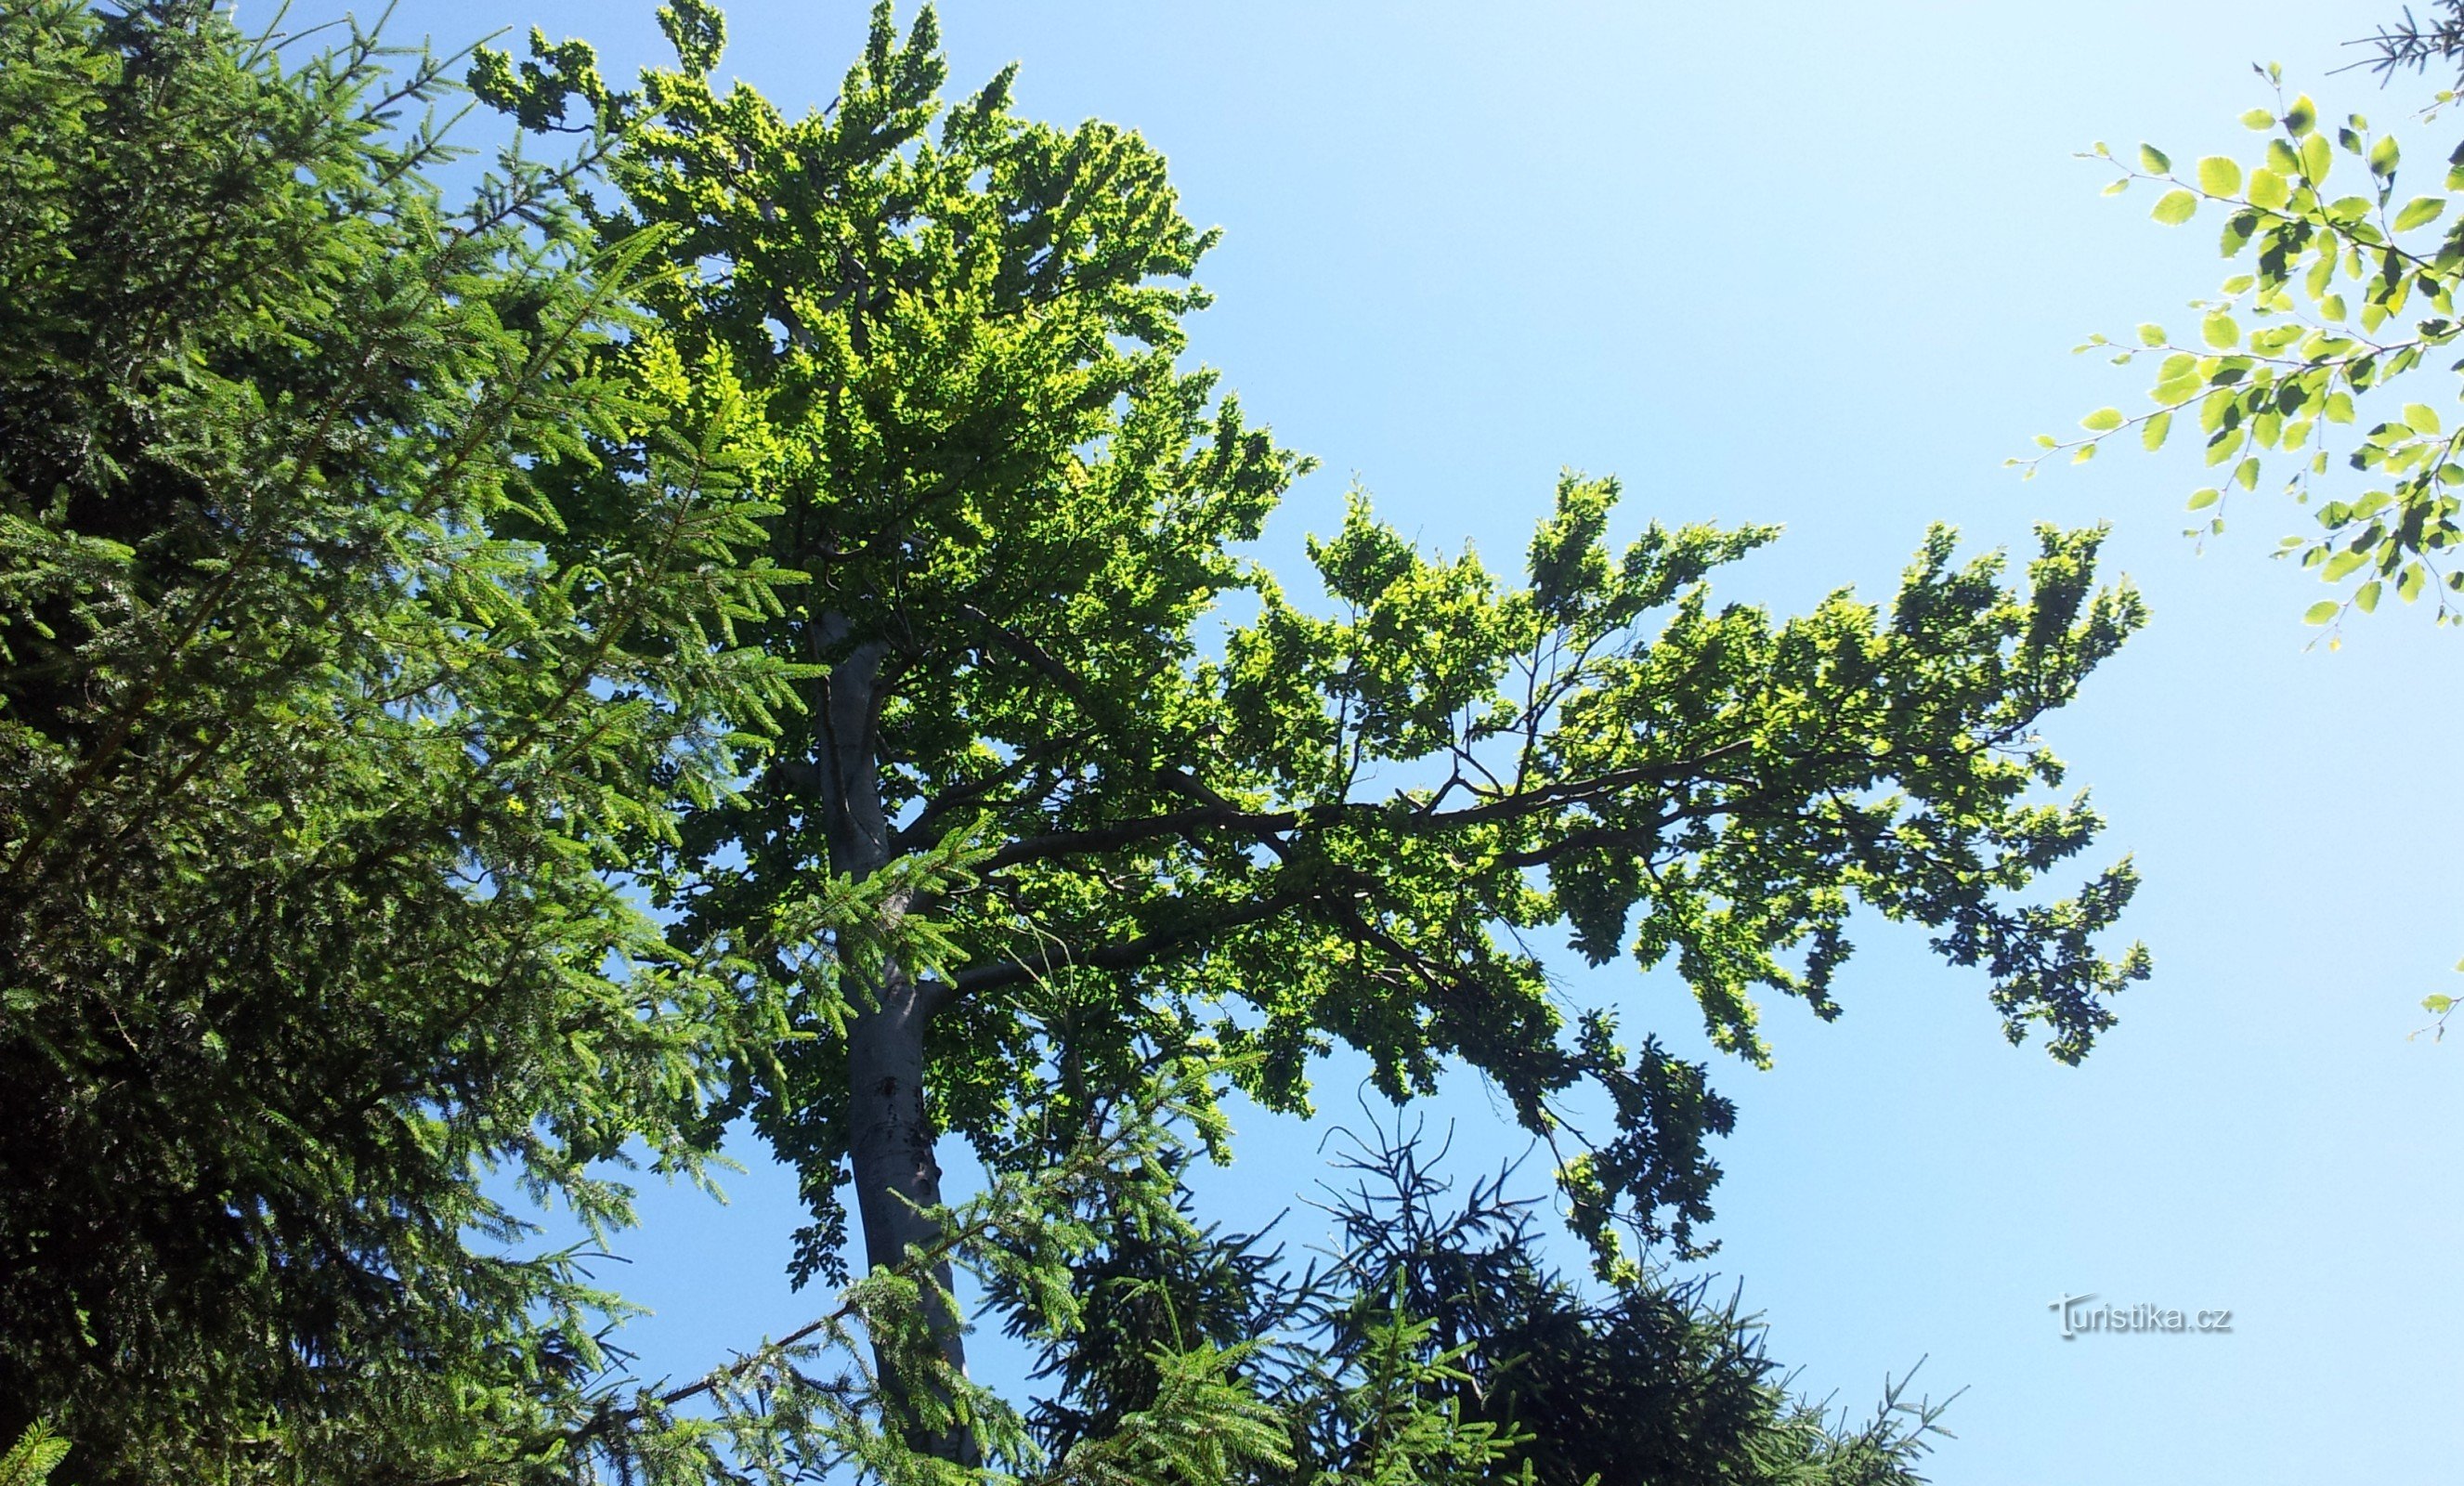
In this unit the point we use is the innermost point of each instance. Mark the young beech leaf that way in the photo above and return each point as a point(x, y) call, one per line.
point(2219, 176)
point(2301, 118)
point(2152, 435)
point(2322, 272)
point(2421, 418)
point(2220, 331)
point(2154, 159)
point(2316, 158)
point(2321, 612)
point(2268, 189)
point(2420, 211)
point(2103, 420)
point(2259, 118)
point(2176, 207)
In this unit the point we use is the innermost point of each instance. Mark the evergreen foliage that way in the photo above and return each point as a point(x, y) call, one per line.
point(1433, 1331)
point(315, 785)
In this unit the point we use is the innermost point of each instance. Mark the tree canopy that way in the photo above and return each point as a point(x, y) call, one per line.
point(312, 776)
point(1124, 798)
point(754, 620)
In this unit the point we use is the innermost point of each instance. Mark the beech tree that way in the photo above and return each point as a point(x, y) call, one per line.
point(1120, 796)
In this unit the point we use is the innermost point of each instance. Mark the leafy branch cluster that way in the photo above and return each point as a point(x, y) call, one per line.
point(2332, 277)
point(2306, 363)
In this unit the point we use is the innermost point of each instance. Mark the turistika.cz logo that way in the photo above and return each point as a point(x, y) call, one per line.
point(2080, 1318)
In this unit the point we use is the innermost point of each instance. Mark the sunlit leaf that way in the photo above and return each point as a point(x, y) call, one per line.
point(2420, 211)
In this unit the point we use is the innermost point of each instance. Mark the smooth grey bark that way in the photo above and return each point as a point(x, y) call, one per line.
point(890, 1135)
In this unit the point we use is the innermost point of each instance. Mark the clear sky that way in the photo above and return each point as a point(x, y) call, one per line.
point(1821, 264)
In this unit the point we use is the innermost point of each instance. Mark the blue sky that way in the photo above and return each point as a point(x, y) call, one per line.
point(1821, 265)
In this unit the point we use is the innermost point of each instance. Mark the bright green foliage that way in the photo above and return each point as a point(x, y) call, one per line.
point(2346, 294)
point(2349, 283)
point(313, 774)
point(1021, 515)
point(32, 1460)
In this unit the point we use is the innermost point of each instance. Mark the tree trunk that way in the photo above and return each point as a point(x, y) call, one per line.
point(889, 1136)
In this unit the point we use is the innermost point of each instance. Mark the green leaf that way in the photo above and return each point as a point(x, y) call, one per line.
point(2259, 118)
point(2301, 118)
point(2220, 331)
point(2321, 612)
point(2439, 1005)
point(2342, 564)
point(2154, 159)
point(2176, 207)
point(2151, 335)
point(2151, 434)
point(2332, 308)
point(2102, 420)
point(2219, 176)
point(2317, 157)
point(2201, 500)
point(2322, 273)
point(2268, 189)
point(2420, 418)
point(2383, 156)
point(2420, 211)
point(2340, 407)
point(2367, 596)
